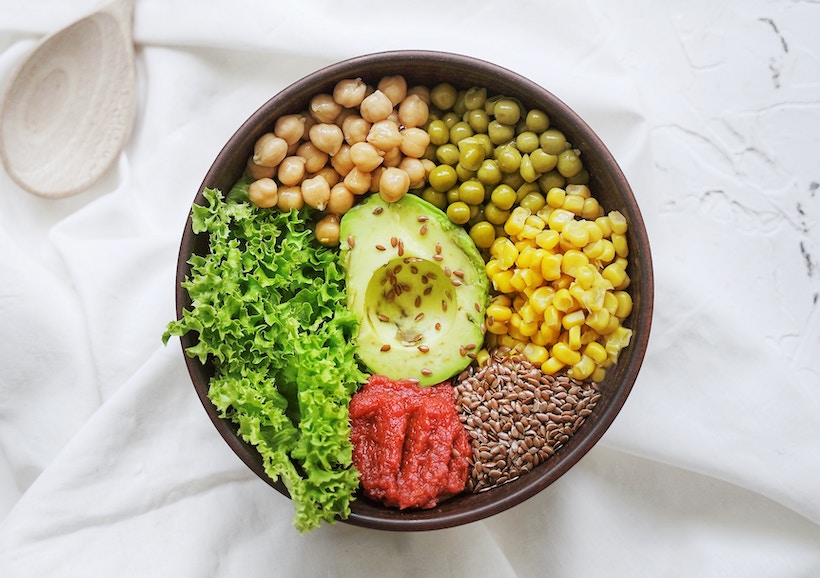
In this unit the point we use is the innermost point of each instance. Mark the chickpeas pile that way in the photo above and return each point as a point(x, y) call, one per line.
point(357, 140)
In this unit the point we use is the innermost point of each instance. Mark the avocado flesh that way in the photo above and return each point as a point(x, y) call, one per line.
point(417, 285)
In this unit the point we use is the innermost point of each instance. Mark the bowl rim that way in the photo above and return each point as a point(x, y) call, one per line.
point(566, 457)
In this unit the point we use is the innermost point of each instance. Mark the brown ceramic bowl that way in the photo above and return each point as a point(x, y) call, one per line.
point(608, 184)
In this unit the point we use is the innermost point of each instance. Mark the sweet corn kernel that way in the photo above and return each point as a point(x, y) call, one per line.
point(540, 298)
point(624, 307)
point(598, 375)
point(573, 259)
point(498, 312)
point(492, 268)
point(563, 282)
point(616, 341)
point(573, 319)
point(593, 230)
point(594, 297)
point(586, 275)
point(558, 218)
point(505, 252)
point(552, 317)
point(618, 222)
point(598, 320)
point(564, 354)
point(591, 208)
point(580, 190)
point(596, 352)
point(594, 249)
point(574, 337)
point(555, 197)
point(620, 245)
point(576, 234)
point(482, 357)
point(547, 239)
point(551, 266)
point(536, 222)
point(528, 328)
point(605, 224)
point(496, 327)
point(515, 222)
point(613, 273)
point(612, 325)
point(610, 302)
point(583, 368)
point(527, 313)
point(536, 353)
point(563, 301)
point(517, 280)
point(515, 345)
point(573, 204)
point(548, 335)
point(588, 335)
point(552, 366)
point(501, 281)
point(540, 338)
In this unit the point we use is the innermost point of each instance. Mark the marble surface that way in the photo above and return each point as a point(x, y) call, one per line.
point(108, 463)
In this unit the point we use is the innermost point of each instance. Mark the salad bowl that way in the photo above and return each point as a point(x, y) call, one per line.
point(611, 188)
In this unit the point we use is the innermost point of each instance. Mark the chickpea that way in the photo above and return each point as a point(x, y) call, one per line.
point(341, 160)
point(326, 137)
point(392, 158)
point(413, 111)
point(414, 142)
point(264, 193)
point(327, 230)
point(258, 171)
point(329, 173)
point(269, 150)
point(375, 177)
point(393, 184)
point(316, 192)
point(385, 135)
point(376, 107)
point(291, 170)
point(290, 127)
point(349, 92)
point(290, 197)
point(421, 91)
point(395, 87)
point(341, 199)
point(324, 109)
point(315, 159)
point(357, 181)
point(415, 170)
point(365, 156)
point(355, 129)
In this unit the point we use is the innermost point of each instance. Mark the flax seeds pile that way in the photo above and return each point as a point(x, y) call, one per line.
point(517, 416)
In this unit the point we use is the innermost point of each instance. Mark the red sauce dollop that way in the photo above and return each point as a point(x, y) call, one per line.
point(409, 445)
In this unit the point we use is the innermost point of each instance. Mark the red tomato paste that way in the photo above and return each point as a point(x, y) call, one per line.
point(409, 445)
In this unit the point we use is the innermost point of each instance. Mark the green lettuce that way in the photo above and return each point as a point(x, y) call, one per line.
point(269, 310)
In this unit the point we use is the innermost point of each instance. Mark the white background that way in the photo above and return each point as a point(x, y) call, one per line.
point(109, 465)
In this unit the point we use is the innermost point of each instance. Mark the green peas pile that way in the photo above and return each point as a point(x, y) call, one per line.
point(491, 155)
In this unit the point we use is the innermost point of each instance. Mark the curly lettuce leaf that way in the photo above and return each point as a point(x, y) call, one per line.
point(268, 307)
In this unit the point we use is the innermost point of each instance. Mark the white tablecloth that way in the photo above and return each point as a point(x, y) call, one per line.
point(109, 465)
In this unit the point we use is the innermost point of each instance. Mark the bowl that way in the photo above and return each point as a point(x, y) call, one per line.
point(609, 185)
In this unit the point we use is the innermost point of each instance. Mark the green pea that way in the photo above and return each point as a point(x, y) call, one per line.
point(508, 157)
point(447, 154)
point(512, 179)
point(533, 201)
point(503, 197)
point(476, 215)
point(463, 173)
point(543, 161)
point(442, 178)
point(569, 163)
point(450, 119)
point(526, 189)
point(550, 180)
point(443, 96)
point(484, 140)
point(478, 119)
point(581, 178)
point(430, 152)
point(471, 154)
point(500, 133)
point(528, 173)
point(537, 120)
point(489, 173)
point(471, 192)
point(459, 108)
point(526, 141)
point(495, 215)
point(435, 197)
point(489, 104)
point(460, 130)
point(452, 196)
point(475, 97)
point(458, 212)
point(439, 133)
point(483, 234)
point(553, 141)
point(507, 111)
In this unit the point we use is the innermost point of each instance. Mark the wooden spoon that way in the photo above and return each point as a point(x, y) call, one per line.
point(68, 111)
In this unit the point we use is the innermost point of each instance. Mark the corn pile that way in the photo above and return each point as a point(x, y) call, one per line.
point(560, 278)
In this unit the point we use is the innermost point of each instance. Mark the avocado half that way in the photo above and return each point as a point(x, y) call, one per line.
point(417, 285)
